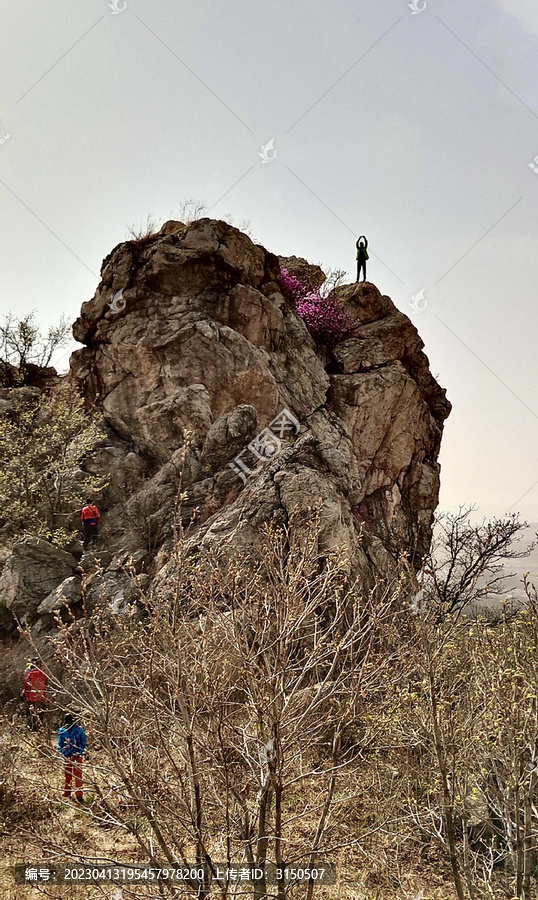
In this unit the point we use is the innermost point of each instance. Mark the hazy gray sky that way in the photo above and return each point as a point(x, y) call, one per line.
point(416, 129)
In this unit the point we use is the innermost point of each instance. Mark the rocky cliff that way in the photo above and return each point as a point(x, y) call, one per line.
point(205, 376)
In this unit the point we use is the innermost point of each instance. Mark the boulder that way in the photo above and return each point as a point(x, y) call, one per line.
point(68, 592)
point(310, 275)
point(115, 587)
point(34, 569)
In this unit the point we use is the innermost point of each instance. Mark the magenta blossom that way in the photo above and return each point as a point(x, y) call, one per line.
point(324, 316)
point(293, 289)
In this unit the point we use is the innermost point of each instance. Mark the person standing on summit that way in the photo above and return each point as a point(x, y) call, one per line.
point(91, 520)
point(362, 256)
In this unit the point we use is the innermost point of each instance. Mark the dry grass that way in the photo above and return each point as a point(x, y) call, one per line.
point(144, 232)
point(33, 813)
point(171, 691)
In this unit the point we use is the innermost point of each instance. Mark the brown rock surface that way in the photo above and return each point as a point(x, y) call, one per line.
point(32, 572)
point(202, 342)
point(309, 274)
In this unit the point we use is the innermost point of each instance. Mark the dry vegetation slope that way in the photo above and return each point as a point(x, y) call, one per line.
point(254, 683)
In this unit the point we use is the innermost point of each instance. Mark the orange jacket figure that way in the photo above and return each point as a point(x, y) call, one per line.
point(91, 520)
point(90, 514)
point(35, 685)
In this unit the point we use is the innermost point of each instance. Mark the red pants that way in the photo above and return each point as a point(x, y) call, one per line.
point(73, 770)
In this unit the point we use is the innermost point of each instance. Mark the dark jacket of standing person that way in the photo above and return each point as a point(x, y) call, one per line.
point(362, 256)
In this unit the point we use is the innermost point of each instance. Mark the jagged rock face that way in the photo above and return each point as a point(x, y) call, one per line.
point(27, 375)
point(202, 341)
point(32, 573)
point(311, 276)
point(67, 593)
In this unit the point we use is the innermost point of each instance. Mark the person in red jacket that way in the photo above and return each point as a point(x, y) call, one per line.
point(34, 691)
point(91, 520)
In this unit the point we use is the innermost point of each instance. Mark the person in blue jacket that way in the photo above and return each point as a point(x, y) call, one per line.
point(71, 743)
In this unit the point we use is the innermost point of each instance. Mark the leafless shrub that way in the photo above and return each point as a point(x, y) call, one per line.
point(466, 561)
point(191, 211)
point(144, 232)
point(334, 279)
point(233, 691)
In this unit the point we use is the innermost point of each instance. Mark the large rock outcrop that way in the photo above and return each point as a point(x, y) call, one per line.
point(191, 352)
point(32, 572)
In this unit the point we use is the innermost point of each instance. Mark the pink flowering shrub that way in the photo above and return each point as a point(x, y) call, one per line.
point(324, 317)
point(293, 289)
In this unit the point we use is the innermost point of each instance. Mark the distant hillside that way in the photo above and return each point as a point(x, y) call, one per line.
point(520, 566)
point(514, 588)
